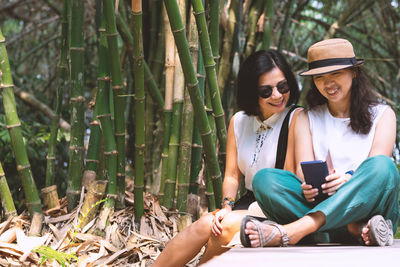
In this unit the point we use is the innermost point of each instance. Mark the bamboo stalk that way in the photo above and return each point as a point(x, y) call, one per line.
point(36, 224)
point(254, 15)
point(14, 128)
point(69, 12)
point(190, 77)
point(173, 150)
point(211, 202)
point(211, 121)
point(150, 79)
point(155, 13)
point(157, 64)
point(211, 77)
point(185, 149)
point(229, 96)
point(169, 92)
point(62, 85)
point(214, 29)
point(92, 155)
point(268, 13)
point(77, 110)
point(104, 115)
point(197, 144)
point(7, 201)
point(156, 154)
point(139, 107)
point(149, 142)
point(157, 69)
point(118, 94)
point(153, 87)
point(225, 62)
point(51, 201)
point(90, 205)
point(174, 140)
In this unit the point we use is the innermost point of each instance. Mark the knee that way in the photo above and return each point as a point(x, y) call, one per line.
point(231, 225)
point(383, 167)
point(266, 181)
point(203, 225)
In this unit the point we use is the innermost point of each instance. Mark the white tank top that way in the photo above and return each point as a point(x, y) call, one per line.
point(346, 148)
point(257, 142)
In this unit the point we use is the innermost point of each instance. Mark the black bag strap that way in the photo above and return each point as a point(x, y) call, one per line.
point(283, 139)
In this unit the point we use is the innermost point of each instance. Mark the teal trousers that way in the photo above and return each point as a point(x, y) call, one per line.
point(373, 189)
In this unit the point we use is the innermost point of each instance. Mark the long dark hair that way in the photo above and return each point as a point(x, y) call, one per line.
point(361, 101)
point(252, 68)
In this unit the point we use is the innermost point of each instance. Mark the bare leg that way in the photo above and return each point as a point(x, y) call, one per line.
point(231, 225)
point(295, 230)
point(185, 245)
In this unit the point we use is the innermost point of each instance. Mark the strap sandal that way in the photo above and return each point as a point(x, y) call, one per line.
point(380, 231)
point(265, 241)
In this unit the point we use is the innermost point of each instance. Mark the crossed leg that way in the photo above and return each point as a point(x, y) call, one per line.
point(231, 225)
point(311, 223)
point(184, 246)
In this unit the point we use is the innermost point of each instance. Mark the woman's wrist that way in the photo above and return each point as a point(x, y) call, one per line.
point(228, 202)
point(351, 172)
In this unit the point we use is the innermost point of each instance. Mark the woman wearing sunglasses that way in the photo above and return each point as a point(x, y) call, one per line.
point(267, 89)
point(349, 129)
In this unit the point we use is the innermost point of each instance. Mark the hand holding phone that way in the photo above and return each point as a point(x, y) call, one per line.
point(314, 174)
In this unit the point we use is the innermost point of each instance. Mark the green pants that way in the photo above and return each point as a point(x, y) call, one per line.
point(373, 189)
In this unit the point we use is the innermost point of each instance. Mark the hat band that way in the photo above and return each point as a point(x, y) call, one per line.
point(331, 62)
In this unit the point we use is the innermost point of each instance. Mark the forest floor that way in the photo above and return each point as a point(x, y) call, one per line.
point(122, 243)
point(327, 255)
point(63, 243)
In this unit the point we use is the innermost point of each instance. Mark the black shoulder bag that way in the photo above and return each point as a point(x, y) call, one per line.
point(283, 140)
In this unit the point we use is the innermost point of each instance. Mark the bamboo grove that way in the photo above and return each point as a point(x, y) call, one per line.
point(148, 88)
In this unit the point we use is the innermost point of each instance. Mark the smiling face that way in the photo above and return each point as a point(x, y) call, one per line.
point(335, 86)
point(277, 101)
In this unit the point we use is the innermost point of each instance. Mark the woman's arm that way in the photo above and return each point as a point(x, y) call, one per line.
point(304, 152)
point(303, 142)
point(232, 177)
point(290, 163)
point(231, 180)
point(385, 134)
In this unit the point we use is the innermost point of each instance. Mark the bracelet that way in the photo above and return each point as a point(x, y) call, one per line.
point(231, 202)
point(351, 172)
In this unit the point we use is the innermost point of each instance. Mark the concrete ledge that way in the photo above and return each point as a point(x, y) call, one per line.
point(324, 255)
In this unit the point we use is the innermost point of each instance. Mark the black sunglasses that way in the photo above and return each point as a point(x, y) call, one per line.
point(265, 91)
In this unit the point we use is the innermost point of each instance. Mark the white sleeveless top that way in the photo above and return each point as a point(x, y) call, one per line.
point(257, 142)
point(346, 148)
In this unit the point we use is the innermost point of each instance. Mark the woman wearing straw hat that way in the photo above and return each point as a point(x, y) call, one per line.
point(347, 127)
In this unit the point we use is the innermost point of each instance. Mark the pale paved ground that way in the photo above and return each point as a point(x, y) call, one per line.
point(310, 256)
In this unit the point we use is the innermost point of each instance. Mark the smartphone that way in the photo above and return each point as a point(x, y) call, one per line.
point(314, 174)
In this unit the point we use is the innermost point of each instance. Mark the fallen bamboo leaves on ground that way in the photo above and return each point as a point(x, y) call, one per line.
point(63, 243)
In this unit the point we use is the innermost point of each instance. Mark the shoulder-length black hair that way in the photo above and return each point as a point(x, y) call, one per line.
point(362, 100)
point(256, 64)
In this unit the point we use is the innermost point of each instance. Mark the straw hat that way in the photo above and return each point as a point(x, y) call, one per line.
point(330, 55)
